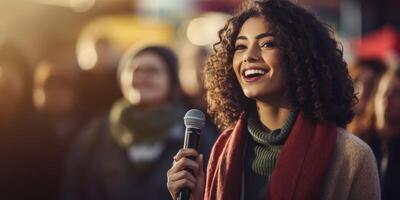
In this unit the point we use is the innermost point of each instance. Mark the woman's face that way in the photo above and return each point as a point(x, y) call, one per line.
point(387, 106)
point(257, 62)
point(364, 85)
point(146, 81)
point(54, 92)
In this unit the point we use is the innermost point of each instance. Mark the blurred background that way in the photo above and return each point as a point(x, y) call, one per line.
point(39, 27)
point(60, 63)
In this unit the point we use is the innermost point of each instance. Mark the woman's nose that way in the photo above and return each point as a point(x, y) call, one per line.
point(252, 54)
point(139, 76)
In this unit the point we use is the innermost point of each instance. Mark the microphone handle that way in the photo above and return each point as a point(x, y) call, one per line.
point(184, 194)
point(192, 137)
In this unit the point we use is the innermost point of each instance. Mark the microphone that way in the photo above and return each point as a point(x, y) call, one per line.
point(194, 120)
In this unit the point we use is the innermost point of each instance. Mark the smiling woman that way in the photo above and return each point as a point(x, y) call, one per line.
point(300, 46)
point(277, 83)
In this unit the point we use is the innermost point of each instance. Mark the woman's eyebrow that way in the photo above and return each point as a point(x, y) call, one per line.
point(259, 36)
point(241, 38)
point(262, 35)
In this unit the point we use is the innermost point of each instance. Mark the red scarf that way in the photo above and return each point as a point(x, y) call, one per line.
point(299, 171)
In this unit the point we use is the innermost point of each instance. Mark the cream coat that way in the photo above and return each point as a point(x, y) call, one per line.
point(353, 173)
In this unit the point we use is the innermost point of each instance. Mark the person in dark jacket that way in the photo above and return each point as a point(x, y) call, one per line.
point(386, 140)
point(126, 154)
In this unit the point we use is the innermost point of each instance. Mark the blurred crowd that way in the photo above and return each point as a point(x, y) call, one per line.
point(71, 129)
point(107, 133)
point(376, 78)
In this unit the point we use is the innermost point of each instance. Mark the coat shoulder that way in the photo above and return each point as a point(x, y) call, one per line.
point(353, 172)
point(352, 147)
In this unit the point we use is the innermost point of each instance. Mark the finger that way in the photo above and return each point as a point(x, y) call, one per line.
point(177, 186)
point(185, 153)
point(184, 183)
point(186, 164)
point(183, 164)
point(182, 175)
point(200, 163)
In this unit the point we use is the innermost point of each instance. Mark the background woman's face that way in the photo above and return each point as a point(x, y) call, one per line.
point(146, 80)
point(256, 61)
point(387, 105)
point(364, 86)
point(55, 93)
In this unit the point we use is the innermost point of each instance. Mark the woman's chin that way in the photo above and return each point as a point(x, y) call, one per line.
point(253, 95)
point(273, 98)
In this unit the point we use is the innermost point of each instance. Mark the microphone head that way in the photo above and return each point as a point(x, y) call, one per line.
point(194, 119)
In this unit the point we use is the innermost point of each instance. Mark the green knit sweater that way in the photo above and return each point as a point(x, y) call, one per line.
point(262, 151)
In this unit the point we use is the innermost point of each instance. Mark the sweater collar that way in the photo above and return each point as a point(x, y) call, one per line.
point(274, 137)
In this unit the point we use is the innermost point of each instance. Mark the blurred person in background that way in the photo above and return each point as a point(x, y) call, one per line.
point(386, 141)
point(366, 74)
point(56, 100)
point(192, 62)
point(56, 94)
point(26, 155)
point(126, 153)
point(100, 86)
point(15, 84)
point(191, 75)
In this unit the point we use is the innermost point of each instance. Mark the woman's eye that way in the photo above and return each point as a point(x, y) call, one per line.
point(239, 47)
point(268, 44)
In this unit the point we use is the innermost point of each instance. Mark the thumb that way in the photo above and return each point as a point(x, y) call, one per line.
point(201, 164)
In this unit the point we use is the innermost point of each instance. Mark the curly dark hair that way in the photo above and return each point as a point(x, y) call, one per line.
point(319, 84)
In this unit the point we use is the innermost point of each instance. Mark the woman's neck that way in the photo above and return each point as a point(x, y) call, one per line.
point(272, 117)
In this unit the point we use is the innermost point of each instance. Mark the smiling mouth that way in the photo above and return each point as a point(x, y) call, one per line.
point(254, 74)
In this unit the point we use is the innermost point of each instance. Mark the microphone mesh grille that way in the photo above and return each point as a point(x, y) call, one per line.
point(194, 119)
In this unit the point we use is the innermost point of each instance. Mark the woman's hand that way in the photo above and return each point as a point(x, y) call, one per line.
point(179, 177)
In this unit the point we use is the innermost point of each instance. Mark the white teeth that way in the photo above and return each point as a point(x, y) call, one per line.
point(254, 72)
